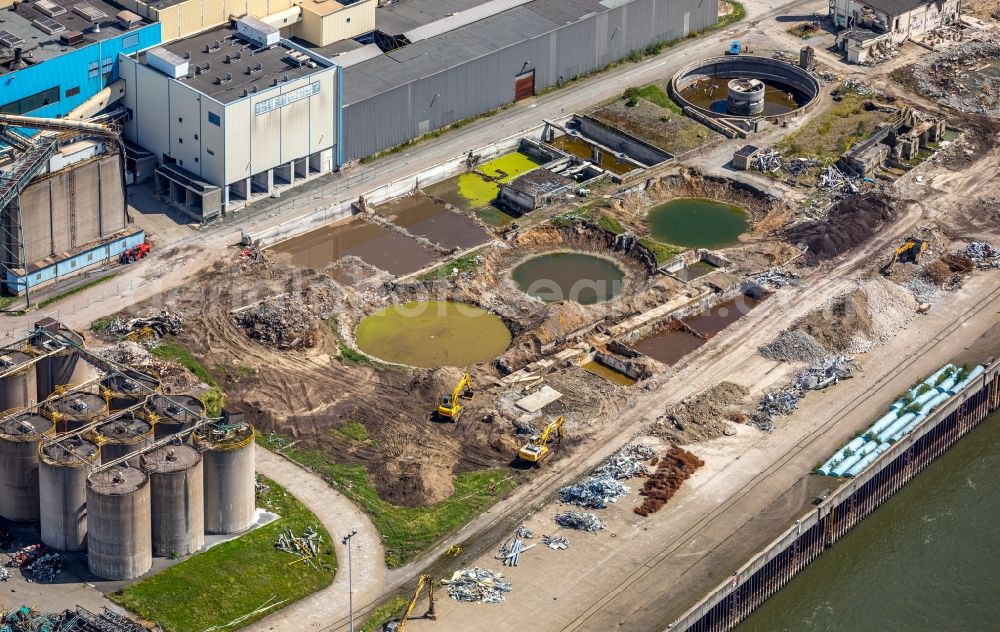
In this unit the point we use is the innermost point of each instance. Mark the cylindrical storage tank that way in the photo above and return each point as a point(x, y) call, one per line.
point(745, 97)
point(62, 477)
point(174, 413)
point(178, 499)
point(19, 388)
point(60, 368)
point(75, 410)
point(122, 437)
point(129, 388)
point(230, 485)
point(19, 440)
point(119, 540)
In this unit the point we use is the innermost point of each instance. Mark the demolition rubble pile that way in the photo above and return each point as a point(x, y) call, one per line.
point(477, 585)
point(983, 255)
point(26, 619)
point(594, 493)
point(833, 179)
point(792, 345)
point(288, 322)
point(673, 469)
point(954, 77)
point(510, 551)
point(145, 329)
point(555, 543)
point(767, 161)
point(775, 278)
point(782, 401)
point(852, 221)
point(174, 377)
point(580, 520)
point(703, 417)
point(305, 546)
point(626, 463)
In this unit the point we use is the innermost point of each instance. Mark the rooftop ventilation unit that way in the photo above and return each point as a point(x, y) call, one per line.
point(168, 63)
point(49, 8)
point(127, 19)
point(71, 37)
point(48, 25)
point(257, 31)
point(89, 12)
point(10, 40)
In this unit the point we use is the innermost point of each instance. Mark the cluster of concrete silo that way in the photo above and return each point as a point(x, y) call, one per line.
point(155, 494)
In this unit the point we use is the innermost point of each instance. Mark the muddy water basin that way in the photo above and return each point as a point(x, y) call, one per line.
point(694, 271)
point(697, 223)
point(673, 344)
point(433, 333)
point(478, 188)
point(608, 373)
point(569, 276)
point(710, 93)
point(421, 215)
point(581, 149)
point(376, 245)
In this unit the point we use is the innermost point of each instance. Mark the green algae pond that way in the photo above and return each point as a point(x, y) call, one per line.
point(479, 188)
point(569, 276)
point(697, 223)
point(433, 333)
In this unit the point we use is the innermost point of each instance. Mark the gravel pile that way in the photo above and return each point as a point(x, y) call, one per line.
point(792, 345)
point(890, 308)
point(923, 290)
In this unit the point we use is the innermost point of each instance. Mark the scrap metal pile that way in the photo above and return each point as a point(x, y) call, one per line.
point(26, 555)
point(626, 463)
point(983, 254)
point(477, 585)
point(783, 401)
point(45, 568)
point(146, 328)
point(510, 551)
point(594, 493)
point(767, 161)
point(833, 179)
point(775, 278)
point(798, 166)
point(25, 619)
point(580, 520)
point(826, 372)
point(306, 546)
point(555, 543)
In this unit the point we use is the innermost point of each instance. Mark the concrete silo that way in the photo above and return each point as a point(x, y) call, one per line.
point(230, 484)
point(75, 410)
point(129, 388)
point(20, 437)
point(64, 367)
point(62, 477)
point(170, 413)
point(19, 387)
point(121, 437)
point(178, 502)
point(119, 541)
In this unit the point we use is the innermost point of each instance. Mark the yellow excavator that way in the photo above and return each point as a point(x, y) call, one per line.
point(537, 449)
point(909, 252)
point(425, 581)
point(450, 408)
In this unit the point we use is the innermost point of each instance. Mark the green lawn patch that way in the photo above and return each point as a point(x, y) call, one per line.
point(493, 216)
point(465, 263)
point(406, 531)
point(663, 252)
point(654, 94)
point(833, 132)
point(611, 224)
point(236, 577)
point(384, 614)
point(76, 290)
point(348, 354)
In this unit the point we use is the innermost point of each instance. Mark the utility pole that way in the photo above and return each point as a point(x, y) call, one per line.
point(346, 540)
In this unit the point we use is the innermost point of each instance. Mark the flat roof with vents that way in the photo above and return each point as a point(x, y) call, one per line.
point(41, 28)
point(223, 64)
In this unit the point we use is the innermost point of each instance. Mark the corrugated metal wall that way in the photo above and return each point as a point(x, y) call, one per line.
point(393, 117)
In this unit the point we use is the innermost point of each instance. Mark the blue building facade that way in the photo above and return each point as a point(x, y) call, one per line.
point(53, 87)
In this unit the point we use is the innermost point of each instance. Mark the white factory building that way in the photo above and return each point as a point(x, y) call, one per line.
point(232, 112)
point(899, 20)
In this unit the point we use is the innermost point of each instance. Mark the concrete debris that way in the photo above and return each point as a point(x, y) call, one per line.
point(626, 463)
point(792, 345)
point(859, 88)
point(775, 278)
point(851, 221)
point(767, 161)
point(594, 493)
point(306, 546)
point(703, 417)
point(984, 255)
point(45, 568)
point(555, 543)
point(288, 321)
point(779, 402)
point(254, 253)
point(146, 328)
point(477, 585)
point(760, 421)
point(510, 551)
point(174, 377)
point(826, 372)
point(961, 77)
point(923, 291)
point(580, 521)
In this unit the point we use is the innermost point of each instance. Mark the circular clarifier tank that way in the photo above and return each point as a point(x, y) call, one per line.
point(569, 276)
point(433, 333)
point(697, 223)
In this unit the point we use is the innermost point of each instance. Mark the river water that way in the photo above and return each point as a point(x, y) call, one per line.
point(927, 559)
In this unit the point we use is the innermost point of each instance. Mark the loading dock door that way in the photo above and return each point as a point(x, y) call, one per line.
point(524, 85)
